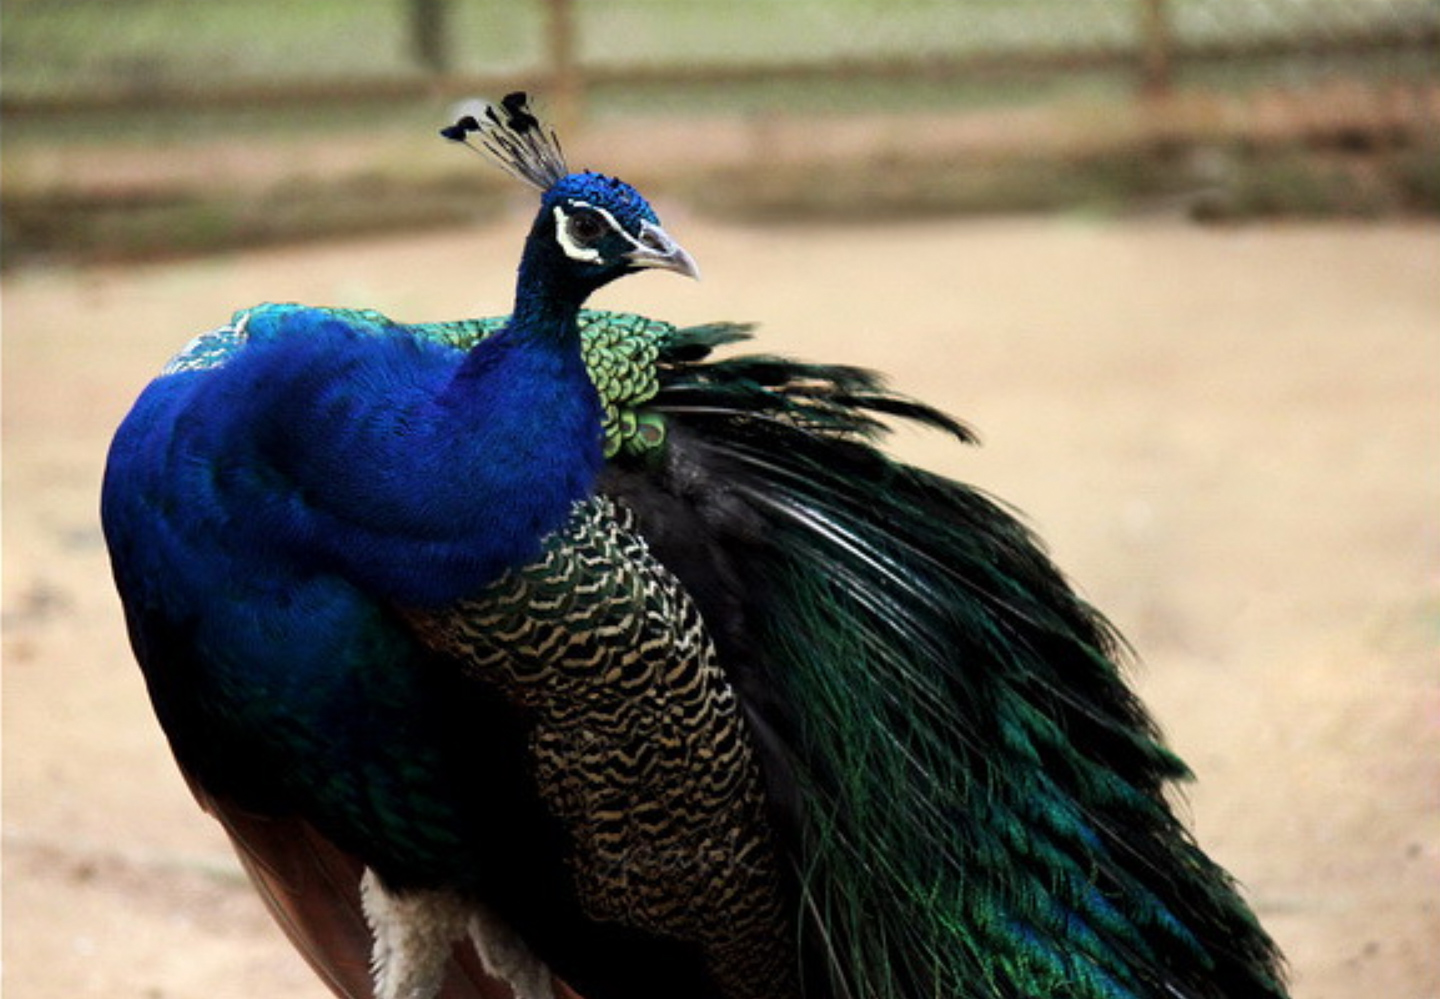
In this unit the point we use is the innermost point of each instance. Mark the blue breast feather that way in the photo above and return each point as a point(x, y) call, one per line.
point(271, 499)
point(336, 443)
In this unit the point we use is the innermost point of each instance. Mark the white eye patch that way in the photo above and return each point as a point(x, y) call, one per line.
point(572, 249)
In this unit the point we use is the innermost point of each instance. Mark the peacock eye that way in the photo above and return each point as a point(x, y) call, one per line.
point(585, 227)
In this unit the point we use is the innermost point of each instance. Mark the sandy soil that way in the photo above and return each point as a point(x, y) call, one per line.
point(1231, 439)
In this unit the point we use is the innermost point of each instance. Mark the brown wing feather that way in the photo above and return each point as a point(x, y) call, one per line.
point(312, 890)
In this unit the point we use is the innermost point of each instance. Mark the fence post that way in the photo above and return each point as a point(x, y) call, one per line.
point(1156, 49)
point(566, 81)
point(428, 33)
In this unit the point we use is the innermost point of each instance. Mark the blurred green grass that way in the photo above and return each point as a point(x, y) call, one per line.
point(72, 47)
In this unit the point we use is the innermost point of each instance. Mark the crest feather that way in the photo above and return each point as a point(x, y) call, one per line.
point(513, 136)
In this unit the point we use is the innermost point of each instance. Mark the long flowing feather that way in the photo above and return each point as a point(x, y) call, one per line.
point(981, 800)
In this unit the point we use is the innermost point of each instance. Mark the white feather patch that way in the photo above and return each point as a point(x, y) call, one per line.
point(414, 932)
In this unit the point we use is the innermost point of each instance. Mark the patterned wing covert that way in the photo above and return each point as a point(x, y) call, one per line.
point(639, 745)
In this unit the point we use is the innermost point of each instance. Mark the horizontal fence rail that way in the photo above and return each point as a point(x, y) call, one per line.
point(569, 47)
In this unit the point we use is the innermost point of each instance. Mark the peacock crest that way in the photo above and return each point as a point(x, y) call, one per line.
point(512, 135)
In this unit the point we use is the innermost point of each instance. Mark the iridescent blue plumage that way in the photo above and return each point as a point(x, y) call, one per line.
point(295, 425)
point(558, 639)
point(619, 198)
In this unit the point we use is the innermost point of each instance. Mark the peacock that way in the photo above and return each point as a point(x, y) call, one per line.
point(574, 653)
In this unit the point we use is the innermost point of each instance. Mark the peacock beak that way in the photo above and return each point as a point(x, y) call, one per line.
point(655, 248)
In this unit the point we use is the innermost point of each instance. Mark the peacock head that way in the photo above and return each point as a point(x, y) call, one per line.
point(591, 229)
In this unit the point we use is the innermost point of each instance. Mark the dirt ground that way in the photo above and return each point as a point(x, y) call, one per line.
point(1231, 438)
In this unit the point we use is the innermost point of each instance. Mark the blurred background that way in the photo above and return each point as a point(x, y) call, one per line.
point(161, 126)
point(1176, 260)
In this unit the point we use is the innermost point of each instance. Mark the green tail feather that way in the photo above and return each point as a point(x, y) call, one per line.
point(983, 798)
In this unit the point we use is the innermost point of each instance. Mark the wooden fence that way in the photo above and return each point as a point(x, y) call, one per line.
point(1154, 57)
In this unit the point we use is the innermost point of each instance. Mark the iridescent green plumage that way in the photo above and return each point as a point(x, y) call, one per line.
point(979, 801)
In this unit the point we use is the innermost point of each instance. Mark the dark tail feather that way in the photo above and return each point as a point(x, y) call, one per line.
point(982, 807)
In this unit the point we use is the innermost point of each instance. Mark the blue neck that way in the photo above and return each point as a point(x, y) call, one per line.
point(420, 477)
point(528, 421)
point(551, 288)
point(546, 301)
